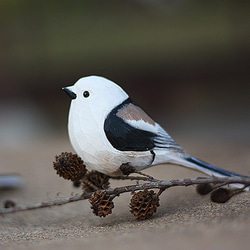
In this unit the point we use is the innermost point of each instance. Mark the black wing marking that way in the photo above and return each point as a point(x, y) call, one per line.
point(125, 137)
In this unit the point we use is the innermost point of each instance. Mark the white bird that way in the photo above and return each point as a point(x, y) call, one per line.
point(107, 129)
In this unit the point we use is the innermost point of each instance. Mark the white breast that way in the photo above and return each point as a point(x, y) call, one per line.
point(90, 143)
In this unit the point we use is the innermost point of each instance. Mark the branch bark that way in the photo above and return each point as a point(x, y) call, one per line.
point(164, 184)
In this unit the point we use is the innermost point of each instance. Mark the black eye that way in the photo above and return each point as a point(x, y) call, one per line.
point(86, 94)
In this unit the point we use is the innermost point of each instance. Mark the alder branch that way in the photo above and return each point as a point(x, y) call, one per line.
point(162, 185)
point(131, 178)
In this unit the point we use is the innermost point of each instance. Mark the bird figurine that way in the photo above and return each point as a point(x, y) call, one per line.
point(107, 130)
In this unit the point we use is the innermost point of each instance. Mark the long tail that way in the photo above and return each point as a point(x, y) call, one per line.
point(209, 169)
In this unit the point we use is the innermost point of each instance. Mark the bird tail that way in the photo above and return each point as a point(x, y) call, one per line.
point(209, 169)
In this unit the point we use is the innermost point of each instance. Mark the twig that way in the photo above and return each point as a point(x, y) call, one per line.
point(132, 178)
point(86, 181)
point(162, 185)
point(149, 177)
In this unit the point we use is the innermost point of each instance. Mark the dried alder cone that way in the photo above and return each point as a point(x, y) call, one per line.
point(143, 204)
point(98, 179)
point(69, 166)
point(101, 203)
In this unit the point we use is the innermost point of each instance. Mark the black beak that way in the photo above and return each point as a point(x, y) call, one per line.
point(70, 93)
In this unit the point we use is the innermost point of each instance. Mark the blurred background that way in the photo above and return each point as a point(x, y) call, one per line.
point(185, 62)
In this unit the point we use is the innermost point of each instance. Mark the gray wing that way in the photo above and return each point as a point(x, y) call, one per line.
point(164, 140)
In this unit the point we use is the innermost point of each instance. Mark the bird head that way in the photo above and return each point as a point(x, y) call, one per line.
point(95, 94)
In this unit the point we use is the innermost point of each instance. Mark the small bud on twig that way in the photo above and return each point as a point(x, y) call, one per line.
point(9, 204)
point(204, 189)
point(76, 184)
point(127, 169)
point(222, 195)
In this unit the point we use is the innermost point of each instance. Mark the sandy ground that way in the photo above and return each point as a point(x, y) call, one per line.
point(184, 219)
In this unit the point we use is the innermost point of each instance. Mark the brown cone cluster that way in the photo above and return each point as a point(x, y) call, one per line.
point(101, 203)
point(96, 178)
point(143, 204)
point(69, 166)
